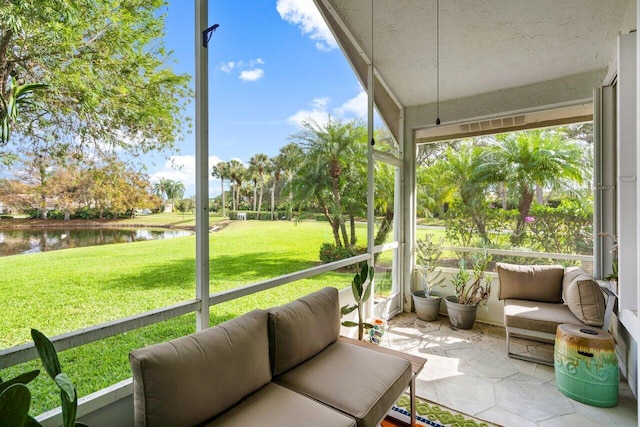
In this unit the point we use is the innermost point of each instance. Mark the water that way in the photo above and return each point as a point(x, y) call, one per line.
point(30, 240)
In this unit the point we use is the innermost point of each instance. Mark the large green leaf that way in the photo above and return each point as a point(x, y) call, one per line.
point(25, 378)
point(65, 384)
point(14, 405)
point(47, 353)
point(348, 309)
point(349, 323)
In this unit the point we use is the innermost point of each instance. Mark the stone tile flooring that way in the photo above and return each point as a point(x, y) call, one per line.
point(469, 371)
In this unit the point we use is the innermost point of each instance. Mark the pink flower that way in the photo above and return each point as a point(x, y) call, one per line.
point(529, 219)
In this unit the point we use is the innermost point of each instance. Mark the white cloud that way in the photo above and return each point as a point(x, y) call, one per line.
point(251, 75)
point(257, 61)
point(356, 106)
point(227, 66)
point(317, 114)
point(305, 15)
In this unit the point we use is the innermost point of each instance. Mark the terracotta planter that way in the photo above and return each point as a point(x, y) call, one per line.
point(427, 308)
point(461, 316)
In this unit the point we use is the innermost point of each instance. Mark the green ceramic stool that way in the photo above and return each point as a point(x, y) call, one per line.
point(586, 365)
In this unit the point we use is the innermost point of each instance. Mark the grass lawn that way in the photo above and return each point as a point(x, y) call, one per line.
point(61, 291)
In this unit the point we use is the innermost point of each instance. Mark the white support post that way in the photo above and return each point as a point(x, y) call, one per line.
point(202, 166)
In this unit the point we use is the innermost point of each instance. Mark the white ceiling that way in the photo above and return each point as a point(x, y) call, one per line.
point(485, 45)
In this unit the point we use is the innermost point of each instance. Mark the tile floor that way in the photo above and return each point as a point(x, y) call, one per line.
point(469, 371)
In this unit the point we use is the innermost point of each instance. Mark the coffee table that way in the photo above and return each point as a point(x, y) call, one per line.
point(417, 363)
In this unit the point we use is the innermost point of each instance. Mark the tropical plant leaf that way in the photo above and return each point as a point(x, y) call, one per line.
point(349, 323)
point(47, 353)
point(348, 309)
point(25, 378)
point(367, 292)
point(14, 405)
point(65, 384)
point(69, 409)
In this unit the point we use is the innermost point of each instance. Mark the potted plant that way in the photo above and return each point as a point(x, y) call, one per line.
point(462, 306)
point(361, 289)
point(15, 397)
point(427, 302)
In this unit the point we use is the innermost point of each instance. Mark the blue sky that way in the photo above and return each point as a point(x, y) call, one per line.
point(272, 63)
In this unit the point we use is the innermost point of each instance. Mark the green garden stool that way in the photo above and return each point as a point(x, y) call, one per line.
point(586, 365)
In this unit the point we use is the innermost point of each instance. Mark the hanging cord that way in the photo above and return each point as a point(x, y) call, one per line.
point(437, 62)
point(373, 80)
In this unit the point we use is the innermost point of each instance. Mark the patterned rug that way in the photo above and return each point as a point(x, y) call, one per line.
point(431, 414)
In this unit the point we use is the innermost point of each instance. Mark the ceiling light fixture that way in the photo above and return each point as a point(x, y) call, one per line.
point(437, 62)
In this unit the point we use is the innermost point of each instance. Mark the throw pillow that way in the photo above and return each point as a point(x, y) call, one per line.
point(585, 300)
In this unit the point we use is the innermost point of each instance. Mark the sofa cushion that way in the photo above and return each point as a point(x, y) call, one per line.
point(585, 299)
point(536, 315)
point(274, 405)
point(359, 382)
point(530, 282)
point(191, 379)
point(302, 328)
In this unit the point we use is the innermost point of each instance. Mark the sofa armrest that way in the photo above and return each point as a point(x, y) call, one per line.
point(611, 302)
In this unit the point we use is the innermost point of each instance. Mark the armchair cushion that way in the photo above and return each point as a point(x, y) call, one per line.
point(301, 329)
point(530, 282)
point(585, 299)
point(191, 379)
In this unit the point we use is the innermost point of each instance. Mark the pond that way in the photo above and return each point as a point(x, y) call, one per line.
point(30, 240)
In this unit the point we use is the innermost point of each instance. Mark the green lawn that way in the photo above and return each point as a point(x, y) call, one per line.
point(61, 291)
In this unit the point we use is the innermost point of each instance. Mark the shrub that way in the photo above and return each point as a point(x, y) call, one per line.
point(330, 252)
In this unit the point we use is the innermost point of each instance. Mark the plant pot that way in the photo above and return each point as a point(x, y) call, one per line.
point(427, 308)
point(461, 316)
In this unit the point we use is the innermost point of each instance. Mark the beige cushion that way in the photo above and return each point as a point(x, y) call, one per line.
point(359, 382)
point(570, 273)
point(189, 380)
point(537, 316)
point(530, 282)
point(301, 329)
point(585, 300)
point(274, 405)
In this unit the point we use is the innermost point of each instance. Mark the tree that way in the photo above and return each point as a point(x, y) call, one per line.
point(525, 160)
point(274, 168)
point(290, 157)
point(237, 172)
point(109, 82)
point(259, 163)
point(459, 172)
point(221, 170)
point(162, 188)
point(331, 152)
point(18, 97)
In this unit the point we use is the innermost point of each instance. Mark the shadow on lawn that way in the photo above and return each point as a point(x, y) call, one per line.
point(226, 272)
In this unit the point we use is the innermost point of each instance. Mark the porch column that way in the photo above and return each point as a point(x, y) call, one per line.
point(408, 212)
point(202, 166)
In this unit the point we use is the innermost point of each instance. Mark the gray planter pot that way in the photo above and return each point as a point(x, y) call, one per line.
point(427, 308)
point(461, 316)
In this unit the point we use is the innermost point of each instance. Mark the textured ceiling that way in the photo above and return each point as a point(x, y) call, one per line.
point(485, 45)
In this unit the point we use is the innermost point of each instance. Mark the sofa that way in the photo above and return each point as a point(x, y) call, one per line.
point(538, 298)
point(284, 366)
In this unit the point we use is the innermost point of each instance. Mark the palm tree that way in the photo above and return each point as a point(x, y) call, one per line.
point(331, 152)
point(275, 167)
point(459, 172)
point(290, 157)
point(259, 163)
point(221, 170)
point(175, 191)
point(237, 172)
point(532, 159)
point(162, 188)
